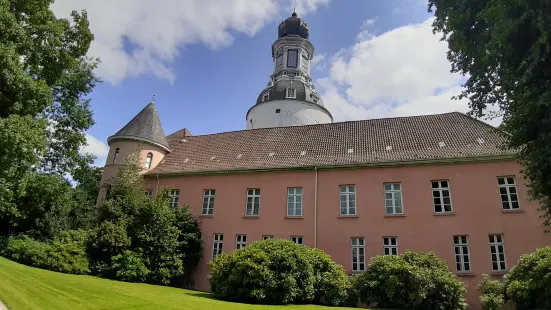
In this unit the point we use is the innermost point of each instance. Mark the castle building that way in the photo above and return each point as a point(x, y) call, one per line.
point(354, 189)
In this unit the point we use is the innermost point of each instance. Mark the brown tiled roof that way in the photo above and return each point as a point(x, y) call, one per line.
point(415, 138)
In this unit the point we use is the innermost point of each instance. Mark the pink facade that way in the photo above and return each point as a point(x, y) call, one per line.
point(475, 199)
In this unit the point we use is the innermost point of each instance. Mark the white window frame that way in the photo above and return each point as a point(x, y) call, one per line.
point(174, 198)
point(358, 244)
point(439, 192)
point(462, 254)
point(217, 245)
point(298, 239)
point(507, 191)
point(497, 241)
point(346, 192)
point(240, 241)
point(208, 202)
point(291, 92)
point(266, 237)
point(149, 193)
point(116, 155)
point(265, 97)
point(253, 202)
point(148, 160)
point(390, 245)
point(284, 73)
point(294, 201)
point(393, 198)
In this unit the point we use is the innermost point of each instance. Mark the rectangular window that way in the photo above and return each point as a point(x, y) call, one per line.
point(291, 93)
point(348, 200)
point(358, 254)
point(497, 250)
point(441, 196)
point(294, 201)
point(298, 240)
point(149, 193)
point(393, 198)
point(240, 241)
point(265, 97)
point(266, 237)
point(508, 191)
point(462, 254)
point(208, 201)
point(174, 198)
point(253, 202)
point(217, 245)
point(390, 245)
point(116, 156)
point(292, 58)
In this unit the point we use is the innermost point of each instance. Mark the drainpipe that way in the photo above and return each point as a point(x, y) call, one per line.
point(157, 189)
point(316, 209)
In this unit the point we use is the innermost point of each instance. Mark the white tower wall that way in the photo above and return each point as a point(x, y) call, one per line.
point(291, 113)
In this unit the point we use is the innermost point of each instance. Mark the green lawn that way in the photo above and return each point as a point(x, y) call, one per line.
point(23, 287)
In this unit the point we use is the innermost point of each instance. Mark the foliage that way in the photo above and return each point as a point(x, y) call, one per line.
point(528, 284)
point(278, 271)
point(129, 267)
point(410, 281)
point(504, 47)
point(491, 293)
point(85, 195)
point(65, 254)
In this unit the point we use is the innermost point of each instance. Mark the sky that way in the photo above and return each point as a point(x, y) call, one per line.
point(206, 61)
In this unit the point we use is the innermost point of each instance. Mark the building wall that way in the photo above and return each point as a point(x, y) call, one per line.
point(476, 203)
point(292, 113)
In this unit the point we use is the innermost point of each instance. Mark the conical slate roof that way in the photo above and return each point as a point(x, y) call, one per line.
point(145, 127)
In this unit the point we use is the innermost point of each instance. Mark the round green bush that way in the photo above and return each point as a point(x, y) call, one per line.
point(528, 284)
point(491, 293)
point(129, 266)
point(278, 271)
point(410, 281)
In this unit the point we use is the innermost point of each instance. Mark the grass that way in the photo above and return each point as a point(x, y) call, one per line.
point(23, 287)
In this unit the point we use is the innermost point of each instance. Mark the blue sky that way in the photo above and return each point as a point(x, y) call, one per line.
point(207, 60)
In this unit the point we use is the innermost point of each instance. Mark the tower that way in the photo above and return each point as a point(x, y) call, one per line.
point(143, 133)
point(290, 98)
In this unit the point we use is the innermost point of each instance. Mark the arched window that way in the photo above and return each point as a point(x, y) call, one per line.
point(116, 156)
point(148, 160)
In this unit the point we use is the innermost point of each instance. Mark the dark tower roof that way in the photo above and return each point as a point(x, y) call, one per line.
point(294, 26)
point(145, 127)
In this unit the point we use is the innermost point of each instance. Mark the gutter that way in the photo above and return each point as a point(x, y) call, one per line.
point(316, 209)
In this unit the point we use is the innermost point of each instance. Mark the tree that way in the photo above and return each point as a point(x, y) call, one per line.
point(504, 46)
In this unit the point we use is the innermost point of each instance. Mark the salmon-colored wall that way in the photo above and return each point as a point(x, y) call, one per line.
point(475, 198)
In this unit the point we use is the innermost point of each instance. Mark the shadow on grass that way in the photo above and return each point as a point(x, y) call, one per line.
point(200, 294)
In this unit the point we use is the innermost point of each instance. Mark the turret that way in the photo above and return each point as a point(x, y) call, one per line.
point(144, 133)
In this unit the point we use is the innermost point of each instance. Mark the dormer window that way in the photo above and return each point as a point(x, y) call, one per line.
point(148, 160)
point(291, 93)
point(116, 156)
point(292, 58)
point(297, 73)
point(284, 73)
point(265, 97)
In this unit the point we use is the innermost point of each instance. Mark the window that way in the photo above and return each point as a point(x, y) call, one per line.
point(240, 241)
point(253, 202)
point(267, 237)
point(148, 160)
point(393, 198)
point(497, 251)
point(441, 196)
point(292, 58)
point(208, 201)
point(508, 191)
point(358, 254)
point(304, 63)
point(284, 73)
point(279, 61)
point(217, 245)
point(116, 156)
point(297, 73)
point(174, 197)
point(462, 255)
point(294, 201)
point(149, 193)
point(298, 240)
point(291, 93)
point(348, 200)
point(278, 111)
point(265, 97)
point(315, 100)
point(390, 245)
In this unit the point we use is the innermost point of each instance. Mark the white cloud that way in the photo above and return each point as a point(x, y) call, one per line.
point(95, 147)
point(366, 31)
point(158, 30)
point(401, 72)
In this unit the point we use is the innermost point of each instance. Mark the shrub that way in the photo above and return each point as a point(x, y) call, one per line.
point(528, 284)
point(25, 250)
point(129, 266)
point(274, 271)
point(491, 293)
point(331, 284)
point(410, 281)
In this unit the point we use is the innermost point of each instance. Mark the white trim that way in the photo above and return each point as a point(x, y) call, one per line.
point(461, 251)
point(208, 202)
point(174, 198)
point(298, 239)
point(254, 203)
point(240, 241)
point(497, 240)
point(510, 190)
point(441, 190)
point(148, 160)
point(291, 93)
point(266, 237)
point(395, 196)
point(294, 201)
point(347, 192)
point(388, 245)
point(357, 243)
point(217, 245)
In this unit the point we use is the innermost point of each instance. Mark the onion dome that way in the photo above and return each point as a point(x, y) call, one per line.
point(294, 26)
